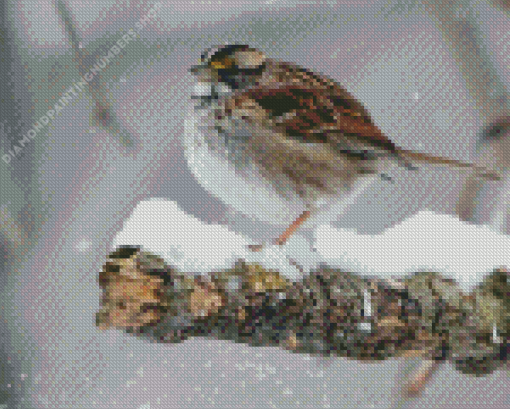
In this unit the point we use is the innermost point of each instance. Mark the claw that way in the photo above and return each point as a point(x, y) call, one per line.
point(256, 247)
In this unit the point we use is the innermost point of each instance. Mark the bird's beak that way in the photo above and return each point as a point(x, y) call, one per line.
point(202, 73)
point(196, 69)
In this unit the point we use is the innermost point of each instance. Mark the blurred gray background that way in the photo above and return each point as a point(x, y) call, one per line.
point(66, 194)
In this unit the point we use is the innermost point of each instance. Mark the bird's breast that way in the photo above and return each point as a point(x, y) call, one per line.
point(218, 158)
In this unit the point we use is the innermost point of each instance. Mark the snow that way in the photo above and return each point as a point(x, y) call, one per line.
point(427, 241)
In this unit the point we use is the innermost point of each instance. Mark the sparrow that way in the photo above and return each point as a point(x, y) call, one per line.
point(284, 143)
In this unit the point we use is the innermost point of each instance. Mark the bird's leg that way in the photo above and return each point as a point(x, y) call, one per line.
point(280, 241)
point(292, 228)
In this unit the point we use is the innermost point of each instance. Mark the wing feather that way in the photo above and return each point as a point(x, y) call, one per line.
point(326, 114)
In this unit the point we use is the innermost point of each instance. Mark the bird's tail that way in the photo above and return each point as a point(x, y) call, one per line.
point(408, 159)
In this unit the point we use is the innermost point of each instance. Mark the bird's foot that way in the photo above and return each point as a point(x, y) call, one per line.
point(256, 247)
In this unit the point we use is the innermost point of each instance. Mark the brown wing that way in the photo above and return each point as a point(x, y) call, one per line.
point(323, 114)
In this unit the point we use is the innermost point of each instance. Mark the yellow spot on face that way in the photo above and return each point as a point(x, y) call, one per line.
point(223, 64)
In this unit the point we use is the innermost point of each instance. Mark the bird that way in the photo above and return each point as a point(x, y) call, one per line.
point(284, 143)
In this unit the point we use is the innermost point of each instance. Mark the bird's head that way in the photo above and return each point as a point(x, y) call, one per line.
point(235, 66)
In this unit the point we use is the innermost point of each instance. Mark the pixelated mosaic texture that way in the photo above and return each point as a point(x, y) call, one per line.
point(71, 187)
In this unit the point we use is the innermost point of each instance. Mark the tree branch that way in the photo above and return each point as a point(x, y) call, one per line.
point(329, 313)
